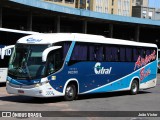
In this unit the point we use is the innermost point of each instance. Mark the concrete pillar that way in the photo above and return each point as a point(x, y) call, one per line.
point(137, 33)
point(57, 24)
point(111, 30)
point(84, 27)
point(29, 22)
point(0, 16)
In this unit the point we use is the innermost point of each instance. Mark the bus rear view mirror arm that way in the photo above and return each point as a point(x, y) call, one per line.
point(4, 49)
point(46, 51)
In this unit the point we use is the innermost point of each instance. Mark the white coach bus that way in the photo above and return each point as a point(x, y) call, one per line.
point(69, 64)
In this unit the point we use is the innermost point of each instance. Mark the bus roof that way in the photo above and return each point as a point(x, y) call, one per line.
point(50, 38)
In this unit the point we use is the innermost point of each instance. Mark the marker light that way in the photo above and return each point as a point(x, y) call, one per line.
point(53, 77)
point(37, 85)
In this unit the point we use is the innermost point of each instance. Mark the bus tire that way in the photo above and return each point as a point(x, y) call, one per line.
point(134, 87)
point(70, 92)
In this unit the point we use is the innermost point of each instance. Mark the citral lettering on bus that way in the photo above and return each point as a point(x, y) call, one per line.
point(101, 70)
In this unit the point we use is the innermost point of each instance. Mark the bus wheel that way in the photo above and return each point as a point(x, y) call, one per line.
point(134, 87)
point(70, 92)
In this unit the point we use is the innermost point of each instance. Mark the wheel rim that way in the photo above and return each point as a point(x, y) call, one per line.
point(134, 88)
point(69, 92)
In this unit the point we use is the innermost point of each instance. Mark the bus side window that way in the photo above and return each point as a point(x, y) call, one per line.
point(58, 59)
point(135, 54)
point(114, 52)
point(148, 52)
point(51, 67)
point(142, 53)
point(154, 53)
point(66, 46)
point(79, 53)
point(55, 61)
point(98, 53)
point(122, 54)
point(91, 53)
point(108, 55)
point(129, 54)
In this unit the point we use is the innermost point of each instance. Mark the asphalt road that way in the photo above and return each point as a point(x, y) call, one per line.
point(147, 100)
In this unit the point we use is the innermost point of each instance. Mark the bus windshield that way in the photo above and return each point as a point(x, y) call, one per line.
point(26, 62)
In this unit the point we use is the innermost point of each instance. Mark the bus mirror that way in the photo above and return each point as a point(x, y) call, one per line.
point(4, 50)
point(46, 51)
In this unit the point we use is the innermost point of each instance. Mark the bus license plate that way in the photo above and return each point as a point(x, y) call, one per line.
point(21, 91)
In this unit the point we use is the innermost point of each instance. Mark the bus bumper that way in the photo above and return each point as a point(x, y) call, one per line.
point(40, 91)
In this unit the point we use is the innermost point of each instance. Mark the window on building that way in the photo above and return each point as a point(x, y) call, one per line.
point(119, 4)
point(57, 0)
point(70, 1)
point(112, 11)
point(106, 10)
point(88, 4)
point(112, 2)
point(150, 15)
point(96, 8)
point(144, 14)
point(101, 10)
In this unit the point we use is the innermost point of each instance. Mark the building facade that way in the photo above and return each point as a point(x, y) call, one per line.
point(69, 3)
point(140, 3)
point(117, 7)
point(157, 14)
point(102, 6)
point(143, 12)
point(141, 9)
point(83, 4)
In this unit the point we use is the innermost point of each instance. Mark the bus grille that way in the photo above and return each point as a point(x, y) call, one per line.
point(22, 86)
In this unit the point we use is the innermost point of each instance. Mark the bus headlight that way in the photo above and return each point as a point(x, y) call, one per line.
point(42, 83)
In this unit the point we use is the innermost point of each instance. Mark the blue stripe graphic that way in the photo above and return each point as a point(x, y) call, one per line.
point(70, 51)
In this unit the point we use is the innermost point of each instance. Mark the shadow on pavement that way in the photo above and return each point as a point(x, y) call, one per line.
point(34, 100)
point(31, 100)
point(108, 95)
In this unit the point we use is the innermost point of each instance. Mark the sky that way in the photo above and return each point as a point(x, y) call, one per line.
point(154, 3)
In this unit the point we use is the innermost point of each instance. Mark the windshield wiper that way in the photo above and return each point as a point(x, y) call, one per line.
point(29, 75)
